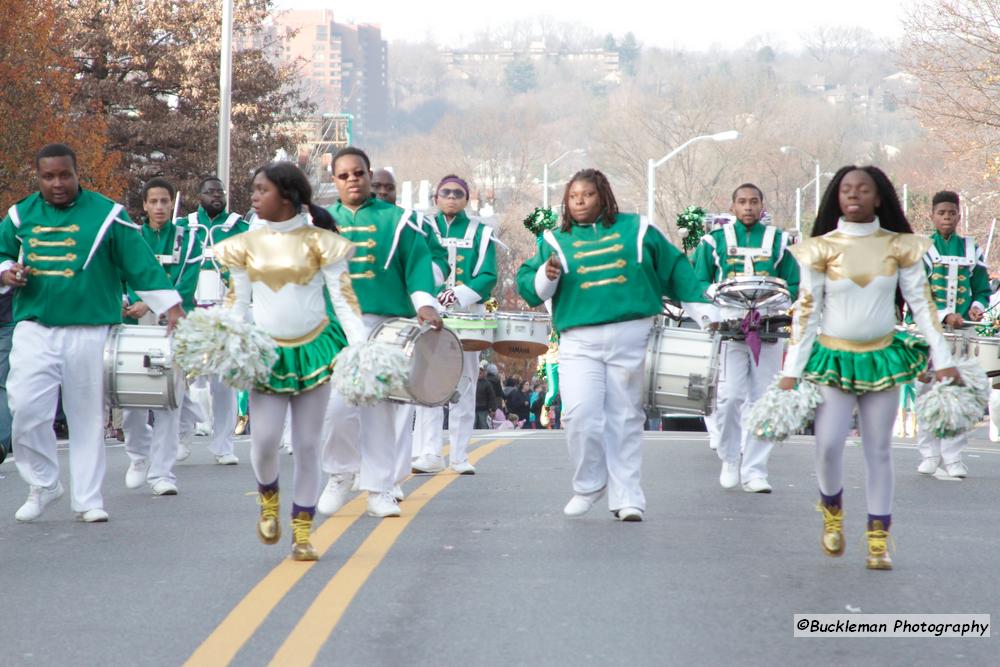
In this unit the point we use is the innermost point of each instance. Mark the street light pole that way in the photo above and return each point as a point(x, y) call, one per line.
point(651, 166)
point(225, 95)
point(798, 210)
point(817, 187)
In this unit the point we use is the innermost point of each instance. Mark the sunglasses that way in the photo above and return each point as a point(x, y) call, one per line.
point(444, 193)
point(346, 176)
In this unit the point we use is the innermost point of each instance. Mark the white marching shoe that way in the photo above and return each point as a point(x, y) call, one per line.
point(38, 499)
point(338, 490)
point(629, 514)
point(428, 463)
point(135, 476)
point(382, 504)
point(96, 515)
point(929, 465)
point(164, 487)
point(581, 503)
point(227, 460)
point(956, 469)
point(183, 451)
point(729, 478)
point(757, 485)
point(464, 468)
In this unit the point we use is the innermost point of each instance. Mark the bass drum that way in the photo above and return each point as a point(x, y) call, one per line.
point(139, 368)
point(435, 361)
point(682, 371)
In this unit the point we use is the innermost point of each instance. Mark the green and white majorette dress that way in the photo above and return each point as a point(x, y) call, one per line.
point(844, 326)
point(285, 267)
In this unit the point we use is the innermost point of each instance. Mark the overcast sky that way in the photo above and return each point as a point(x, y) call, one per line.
point(688, 24)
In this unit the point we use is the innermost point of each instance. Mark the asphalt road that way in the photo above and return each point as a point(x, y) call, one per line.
point(486, 570)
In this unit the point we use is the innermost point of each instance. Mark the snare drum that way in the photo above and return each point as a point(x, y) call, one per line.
point(984, 350)
point(139, 370)
point(522, 335)
point(751, 291)
point(682, 369)
point(475, 331)
point(435, 361)
point(211, 289)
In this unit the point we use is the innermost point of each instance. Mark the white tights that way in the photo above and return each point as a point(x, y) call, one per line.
point(877, 414)
point(307, 410)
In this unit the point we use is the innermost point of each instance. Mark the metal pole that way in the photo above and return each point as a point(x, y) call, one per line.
point(650, 190)
point(225, 95)
point(906, 207)
point(798, 210)
point(817, 187)
point(545, 186)
point(989, 241)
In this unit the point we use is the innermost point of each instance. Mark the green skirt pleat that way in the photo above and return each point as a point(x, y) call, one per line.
point(861, 372)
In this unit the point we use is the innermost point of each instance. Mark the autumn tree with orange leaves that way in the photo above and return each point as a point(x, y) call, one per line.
point(37, 92)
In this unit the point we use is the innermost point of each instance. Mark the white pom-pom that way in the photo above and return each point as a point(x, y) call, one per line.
point(214, 341)
point(368, 372)
point(947, 410)
point(780, 413)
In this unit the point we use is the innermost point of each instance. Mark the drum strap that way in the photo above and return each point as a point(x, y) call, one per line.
point(453, 244)
point(749, 254)
point(953, 262)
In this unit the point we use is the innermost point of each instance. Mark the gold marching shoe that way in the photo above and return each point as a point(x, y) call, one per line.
point(832, 540)
point(878, 548)
point(241, 424)
point(302, 548)
point(268, 526)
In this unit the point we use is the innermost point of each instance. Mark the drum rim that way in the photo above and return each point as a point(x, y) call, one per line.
point(409, 347)
point(523, 316)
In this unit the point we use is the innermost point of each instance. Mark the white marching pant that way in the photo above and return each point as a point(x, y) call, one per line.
point(601, 372)
point(876, 415)
point(156, 444)
point(741, 383)
point(223, 417)
point(428, 431)
point(192, 410)
point(949, 449)
point(428, 438)
point(371, 441)
point(41, 360)
point(308, 410)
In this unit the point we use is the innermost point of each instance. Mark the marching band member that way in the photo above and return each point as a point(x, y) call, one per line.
point(960, 285)
point(153, 449)
point(747, 247)
point(285, 266)
point(843, 338)
point(606, 273)
point(471, 278)
point(66, 250)
point(215, 224)
point(393, 277)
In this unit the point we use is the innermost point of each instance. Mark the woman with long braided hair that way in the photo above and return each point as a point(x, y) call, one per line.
point(606, 273)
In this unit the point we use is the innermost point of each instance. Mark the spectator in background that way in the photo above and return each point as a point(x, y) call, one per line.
point(486, 400)
point(493, 375)
point(535, 404)
point(517, 399)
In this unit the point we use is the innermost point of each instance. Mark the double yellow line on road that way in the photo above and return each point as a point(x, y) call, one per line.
point(314, 628)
